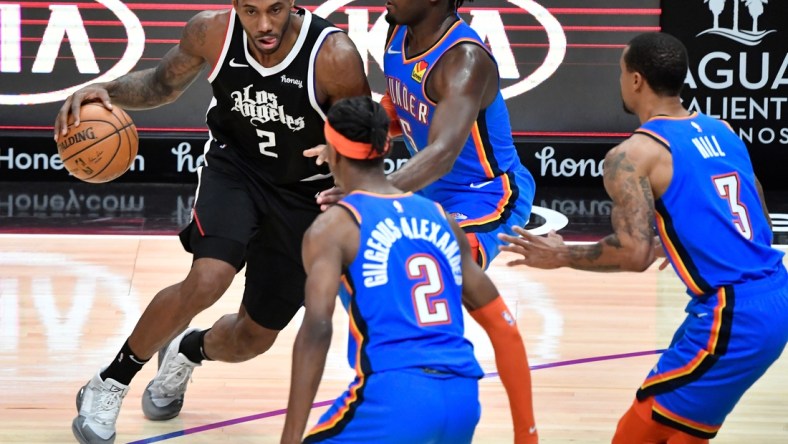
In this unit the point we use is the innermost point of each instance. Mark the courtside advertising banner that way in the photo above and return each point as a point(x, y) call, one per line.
point(558, 63)
point(738, 71)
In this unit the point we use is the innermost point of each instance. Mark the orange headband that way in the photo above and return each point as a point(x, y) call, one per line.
point(350, 148)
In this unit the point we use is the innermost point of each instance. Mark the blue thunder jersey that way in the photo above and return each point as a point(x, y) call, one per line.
point(710, 219)
point(405, 288)
point(488, 162)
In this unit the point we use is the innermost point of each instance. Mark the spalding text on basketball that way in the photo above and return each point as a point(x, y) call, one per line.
point(86, 134)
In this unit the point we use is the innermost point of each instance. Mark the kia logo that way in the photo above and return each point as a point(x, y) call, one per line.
point(65, 21)
point(61, 317)
point(485, 21)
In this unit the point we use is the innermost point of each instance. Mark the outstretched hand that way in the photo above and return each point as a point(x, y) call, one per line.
point(329, 197)
point(332, 195)
point(318, 151)
point(536, 251)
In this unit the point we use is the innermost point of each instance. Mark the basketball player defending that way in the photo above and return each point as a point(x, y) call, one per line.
point(443, 96)
point(406, 268)
point(273, 70)
point(691, 176)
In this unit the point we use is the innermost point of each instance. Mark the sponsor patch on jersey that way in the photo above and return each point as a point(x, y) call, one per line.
point(290, 81)
point(418, 71)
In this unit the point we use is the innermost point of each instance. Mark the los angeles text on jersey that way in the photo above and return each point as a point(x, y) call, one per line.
point(387, 232)
point(263, 107)
point(407, 101)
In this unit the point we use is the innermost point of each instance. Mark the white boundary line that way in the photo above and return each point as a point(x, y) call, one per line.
point(175, 236)
point(92, 236)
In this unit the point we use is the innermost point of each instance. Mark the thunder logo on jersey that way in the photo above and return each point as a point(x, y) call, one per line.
point(404, 99)
point(387, 232)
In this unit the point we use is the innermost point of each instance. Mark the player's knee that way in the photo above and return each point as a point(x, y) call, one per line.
point(253, 339)
point(206, 284)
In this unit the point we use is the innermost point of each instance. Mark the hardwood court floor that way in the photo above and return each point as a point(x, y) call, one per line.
point(67, 304)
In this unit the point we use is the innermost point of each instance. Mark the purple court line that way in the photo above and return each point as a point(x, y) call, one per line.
point(231, 422)
point(216, 425)
point(587, 360)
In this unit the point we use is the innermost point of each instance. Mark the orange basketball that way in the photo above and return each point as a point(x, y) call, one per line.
point(102, 147)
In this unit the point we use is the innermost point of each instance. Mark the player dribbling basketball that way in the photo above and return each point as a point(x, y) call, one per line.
point(255, 197)
point(102, 147)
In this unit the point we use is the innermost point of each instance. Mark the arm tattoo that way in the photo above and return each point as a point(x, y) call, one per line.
point(612, 241)
point(647, 230)
point(200, 33)
point(614, 164)
point(133, 90)
point(585, 252)
point(155, 86)
point(164, 83)
point(633, 210)
point(632, 217)
point(582, 257)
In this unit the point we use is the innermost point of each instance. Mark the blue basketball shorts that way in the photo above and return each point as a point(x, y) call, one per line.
point(403, 407)
point(493, 208)
point(727, 341)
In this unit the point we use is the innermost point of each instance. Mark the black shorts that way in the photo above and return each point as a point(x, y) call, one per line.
point(248, 221)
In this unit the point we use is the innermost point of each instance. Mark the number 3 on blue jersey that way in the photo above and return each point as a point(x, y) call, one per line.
point(727, 186)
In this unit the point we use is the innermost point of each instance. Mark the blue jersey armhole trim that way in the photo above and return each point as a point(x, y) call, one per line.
point(346, 206)
point(654, 138)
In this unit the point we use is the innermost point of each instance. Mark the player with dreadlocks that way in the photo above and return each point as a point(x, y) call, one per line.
point(443, 96)
point(416, 374)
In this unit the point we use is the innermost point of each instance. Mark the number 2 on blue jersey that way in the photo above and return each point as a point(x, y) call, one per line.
point(430, 310)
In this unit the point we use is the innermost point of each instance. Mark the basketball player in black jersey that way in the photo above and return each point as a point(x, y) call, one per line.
point(274, 71)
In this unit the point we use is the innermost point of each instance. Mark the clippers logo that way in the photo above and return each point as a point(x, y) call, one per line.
point(261, 107)
point(65, 26)
point(419, 70)
point(488, 22)
point(747, 37)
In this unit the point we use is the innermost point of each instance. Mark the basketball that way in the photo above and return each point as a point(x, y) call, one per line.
point(102, 147)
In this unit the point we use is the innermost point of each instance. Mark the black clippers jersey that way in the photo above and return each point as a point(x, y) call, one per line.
point(262, 119)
